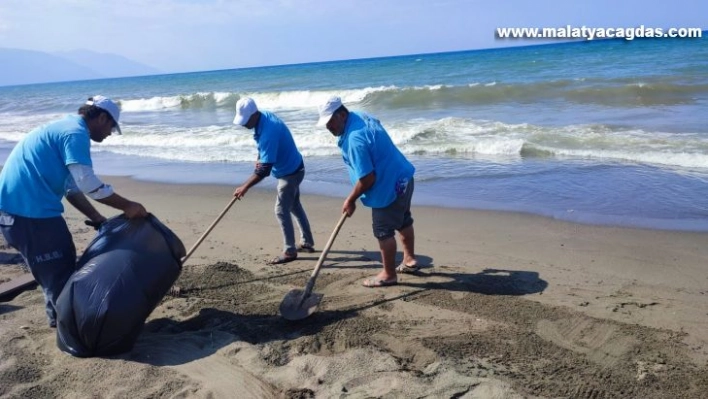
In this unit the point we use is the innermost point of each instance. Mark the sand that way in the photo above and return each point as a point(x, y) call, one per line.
point(508, 306)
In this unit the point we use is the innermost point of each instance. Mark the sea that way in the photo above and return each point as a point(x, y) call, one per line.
point(605, 132)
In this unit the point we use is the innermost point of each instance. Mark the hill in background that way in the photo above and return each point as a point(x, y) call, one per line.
point(28, 66)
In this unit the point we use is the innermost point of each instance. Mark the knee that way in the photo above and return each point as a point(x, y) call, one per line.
point(384, 234)
point(406, 229)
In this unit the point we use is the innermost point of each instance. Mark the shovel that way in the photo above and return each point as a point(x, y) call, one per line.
point(298, 304)
point(175, 290)
point(209, 229)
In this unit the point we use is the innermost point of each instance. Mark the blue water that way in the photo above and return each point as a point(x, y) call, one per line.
point(605, 132)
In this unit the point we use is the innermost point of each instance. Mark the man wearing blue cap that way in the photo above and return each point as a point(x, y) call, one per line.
point(49, 163)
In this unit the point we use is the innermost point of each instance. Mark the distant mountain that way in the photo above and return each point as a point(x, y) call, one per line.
point(110, 65)
point(28, 66)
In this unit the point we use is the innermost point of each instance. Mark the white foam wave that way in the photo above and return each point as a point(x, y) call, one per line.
point(311, 99)
point(447, 136)
point(667, 158)
point(457, 136)
point(461, 136)
point(288, 100)
point(182, 138)
point(499, 147)
point(150, 104)
point(14, 127)
point(171, 102)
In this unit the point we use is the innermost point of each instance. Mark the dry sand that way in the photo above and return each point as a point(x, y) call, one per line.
point(510, 306)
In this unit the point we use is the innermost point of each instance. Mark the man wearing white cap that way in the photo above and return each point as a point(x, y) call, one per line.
point(278, 156)
point(382, 178)
point(49, 163)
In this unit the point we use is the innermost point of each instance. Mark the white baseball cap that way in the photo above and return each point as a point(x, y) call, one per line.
point(245, 107)
point(327, 109)
point(107, 105)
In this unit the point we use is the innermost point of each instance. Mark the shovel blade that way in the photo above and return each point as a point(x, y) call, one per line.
point(293, 307)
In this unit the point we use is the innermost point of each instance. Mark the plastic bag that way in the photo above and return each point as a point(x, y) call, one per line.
point(120, 279)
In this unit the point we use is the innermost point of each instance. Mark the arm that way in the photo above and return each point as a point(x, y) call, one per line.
point(84, 181)
point(360, 166)
point(78, 200)
point(131, 209)
point(262, 171)
point(361, 186)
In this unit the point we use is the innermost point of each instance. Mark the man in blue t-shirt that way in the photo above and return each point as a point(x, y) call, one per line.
point(382, 178)
point(278, 156)
point(49, 163)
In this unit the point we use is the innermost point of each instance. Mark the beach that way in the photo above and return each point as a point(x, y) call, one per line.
point(508, 305)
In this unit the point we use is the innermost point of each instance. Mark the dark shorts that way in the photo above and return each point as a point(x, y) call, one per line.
point(396, 216)
point(48, 249)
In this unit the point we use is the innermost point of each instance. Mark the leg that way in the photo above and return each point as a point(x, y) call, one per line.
point(396, 216)
point(48, 249)
point(283, 206)
point(388, 275)
point(385, 233)
point(407, 236)
point(388, 257)
point(406, 232)
point(300, 216)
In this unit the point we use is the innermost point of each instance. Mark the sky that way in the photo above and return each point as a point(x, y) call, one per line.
point(202, 35)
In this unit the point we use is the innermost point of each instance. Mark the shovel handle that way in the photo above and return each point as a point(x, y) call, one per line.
point(209, 229)
point(311, 282)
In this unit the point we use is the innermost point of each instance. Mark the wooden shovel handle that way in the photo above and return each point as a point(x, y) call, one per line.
point(209, 229)
point(323, 255)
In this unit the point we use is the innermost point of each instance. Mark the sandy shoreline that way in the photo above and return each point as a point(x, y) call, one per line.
point(512, 305)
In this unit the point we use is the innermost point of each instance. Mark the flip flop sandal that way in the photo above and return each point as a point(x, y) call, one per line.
point(281, 259)
point(403, 268)
point(306, 248)
point(374, 282)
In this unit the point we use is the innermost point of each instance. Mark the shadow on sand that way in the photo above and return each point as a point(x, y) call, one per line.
point(168, 342)
point(4, 309)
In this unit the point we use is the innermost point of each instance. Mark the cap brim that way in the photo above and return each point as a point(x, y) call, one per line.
point(240, 120)
point(324, 120)
point(117, 129)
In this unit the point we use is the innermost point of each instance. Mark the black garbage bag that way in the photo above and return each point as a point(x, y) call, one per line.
point(120, 279)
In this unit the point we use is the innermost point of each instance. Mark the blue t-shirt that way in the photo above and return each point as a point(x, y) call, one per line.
point(32, 181)
point(366, 147)
point(276, 145)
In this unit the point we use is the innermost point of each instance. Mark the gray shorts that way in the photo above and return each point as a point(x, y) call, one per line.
point(396, 216)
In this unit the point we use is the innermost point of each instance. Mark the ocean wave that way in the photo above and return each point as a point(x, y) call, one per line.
point(452, 137)
point(267, 100)
point(606, 92)
point(663, 158)
point(609, 93)
point(455, 137)
point(195, 100)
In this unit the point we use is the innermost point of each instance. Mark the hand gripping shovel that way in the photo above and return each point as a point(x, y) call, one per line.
point(298, 304)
